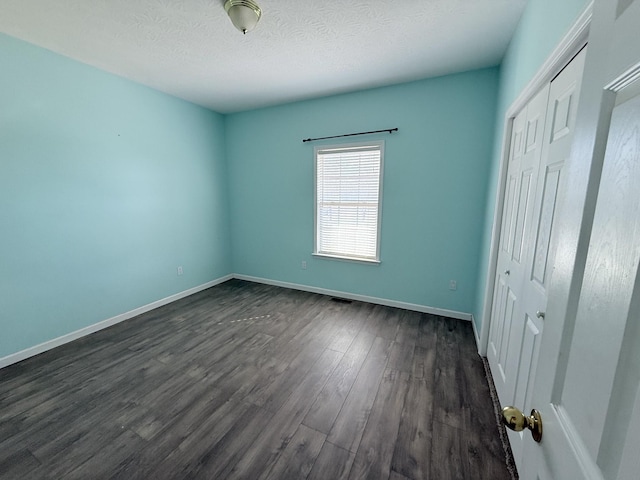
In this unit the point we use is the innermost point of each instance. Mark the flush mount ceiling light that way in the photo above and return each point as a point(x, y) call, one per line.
point(244, 14)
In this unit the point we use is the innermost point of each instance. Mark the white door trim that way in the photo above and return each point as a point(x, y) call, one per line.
point(569, 46)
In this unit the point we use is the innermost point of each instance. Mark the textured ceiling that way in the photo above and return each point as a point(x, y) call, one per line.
point(300, 49)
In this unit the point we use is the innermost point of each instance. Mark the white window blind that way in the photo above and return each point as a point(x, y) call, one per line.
point(348, 186)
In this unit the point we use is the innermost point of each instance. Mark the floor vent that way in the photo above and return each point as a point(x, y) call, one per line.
point(340, 300)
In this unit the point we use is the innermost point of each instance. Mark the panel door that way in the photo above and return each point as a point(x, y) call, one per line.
point(587, 385)
point(522, 172)
point(558, 132)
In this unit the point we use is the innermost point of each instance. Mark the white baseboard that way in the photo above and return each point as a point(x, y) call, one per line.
point(476, 334)
point(362, 298)
point(69, 337)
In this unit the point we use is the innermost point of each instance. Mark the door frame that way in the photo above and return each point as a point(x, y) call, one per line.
point(573, 41)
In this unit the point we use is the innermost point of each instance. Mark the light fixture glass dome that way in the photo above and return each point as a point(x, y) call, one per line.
point(244, 14)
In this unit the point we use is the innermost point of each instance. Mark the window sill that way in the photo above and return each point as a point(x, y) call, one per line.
point(347, 259)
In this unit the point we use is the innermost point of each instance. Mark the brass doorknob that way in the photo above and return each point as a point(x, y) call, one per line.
point(539, 314)
point(515, 420)
point(507, 272)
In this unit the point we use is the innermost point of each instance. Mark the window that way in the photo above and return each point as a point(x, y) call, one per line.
point(348, 201)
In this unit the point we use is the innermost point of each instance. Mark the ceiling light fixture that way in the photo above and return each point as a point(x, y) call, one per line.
point(244, 14)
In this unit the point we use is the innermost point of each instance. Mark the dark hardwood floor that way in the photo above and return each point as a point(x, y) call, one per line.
point(256, 382)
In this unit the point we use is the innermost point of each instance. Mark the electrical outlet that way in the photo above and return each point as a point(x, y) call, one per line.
point(303, 265)
point(180, 272)
point(453, 285)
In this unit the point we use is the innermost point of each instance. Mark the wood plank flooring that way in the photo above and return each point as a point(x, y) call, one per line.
point(249, 381)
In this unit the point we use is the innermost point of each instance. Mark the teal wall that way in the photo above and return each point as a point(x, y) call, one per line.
point(542, 26)
point(435, 177)
point(106, 187)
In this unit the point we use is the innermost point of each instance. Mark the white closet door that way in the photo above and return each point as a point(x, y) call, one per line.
point(558, 133)
point(515, 243)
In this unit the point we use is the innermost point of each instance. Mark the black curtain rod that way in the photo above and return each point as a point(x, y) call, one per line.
point(351, 134)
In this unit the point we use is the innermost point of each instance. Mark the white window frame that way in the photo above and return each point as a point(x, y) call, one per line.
point(379, 144)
